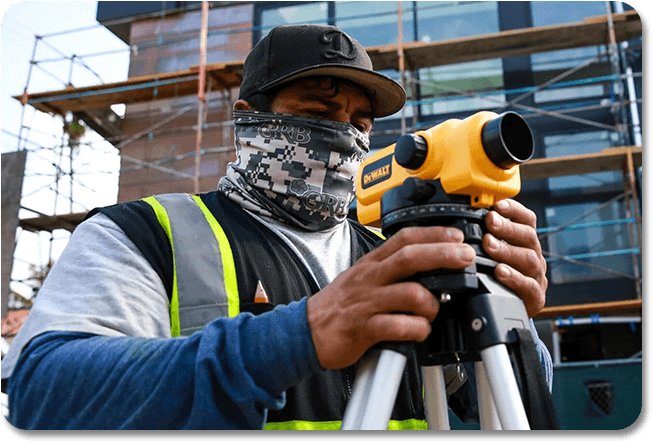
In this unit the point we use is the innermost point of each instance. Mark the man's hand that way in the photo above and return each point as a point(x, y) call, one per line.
point(522, 267)
point(370, 302)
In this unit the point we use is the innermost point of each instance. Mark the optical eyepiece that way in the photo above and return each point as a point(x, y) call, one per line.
point(507, 140)
point(411, 151)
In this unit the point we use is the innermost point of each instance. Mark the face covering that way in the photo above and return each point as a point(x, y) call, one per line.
point(298, 170)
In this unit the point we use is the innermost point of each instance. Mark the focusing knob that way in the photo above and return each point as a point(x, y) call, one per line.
point(410, 151)
point(417, 190)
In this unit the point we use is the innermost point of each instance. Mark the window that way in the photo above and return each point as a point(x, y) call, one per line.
point(316, 13)
point(548, 65)
point(548, 13)
point(447, 20)
point(601, 238)
point(462, 87)
point(465, 87)
point(582, 143)
point(592, 81)
point(375, 23)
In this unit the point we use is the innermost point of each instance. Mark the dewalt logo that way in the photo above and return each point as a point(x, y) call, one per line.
point(377, 172)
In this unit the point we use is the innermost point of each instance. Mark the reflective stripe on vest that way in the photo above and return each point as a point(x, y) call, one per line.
point(200, 252)
point(201, 255)
point(407, 424)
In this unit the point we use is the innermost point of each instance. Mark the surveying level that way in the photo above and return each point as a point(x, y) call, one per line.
point(477, 157)
point(447, 176)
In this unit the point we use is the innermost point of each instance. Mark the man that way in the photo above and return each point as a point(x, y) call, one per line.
point(138, 324)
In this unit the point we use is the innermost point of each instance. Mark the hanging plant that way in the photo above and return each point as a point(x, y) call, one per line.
point(75, 129)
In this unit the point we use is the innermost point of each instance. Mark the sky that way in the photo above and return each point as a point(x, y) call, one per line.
point(101, 57)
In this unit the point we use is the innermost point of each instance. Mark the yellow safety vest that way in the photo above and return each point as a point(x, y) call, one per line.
point(200, 252)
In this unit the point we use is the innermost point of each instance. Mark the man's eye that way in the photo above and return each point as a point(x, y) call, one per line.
point(362, 127)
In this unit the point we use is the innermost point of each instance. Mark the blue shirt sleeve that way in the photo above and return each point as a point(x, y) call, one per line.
point(226, 376)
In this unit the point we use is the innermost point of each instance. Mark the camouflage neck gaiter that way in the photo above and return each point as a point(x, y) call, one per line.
point(296, 169)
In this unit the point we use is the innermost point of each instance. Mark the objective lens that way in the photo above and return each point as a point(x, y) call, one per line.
point(507, 140)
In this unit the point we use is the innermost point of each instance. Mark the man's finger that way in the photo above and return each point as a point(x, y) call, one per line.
point(530, 290)
point(516, 212)
point(417, 258)
point(527, 261)
point(399, 327)
point(514, 233)
point(414, 235)
point(406, 297)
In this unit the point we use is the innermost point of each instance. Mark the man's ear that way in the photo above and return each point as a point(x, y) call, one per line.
point(242, 105)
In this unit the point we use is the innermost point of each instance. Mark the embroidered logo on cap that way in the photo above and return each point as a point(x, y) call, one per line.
point(340, 42)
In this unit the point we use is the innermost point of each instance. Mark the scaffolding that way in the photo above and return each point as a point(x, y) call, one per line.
point(91, 105)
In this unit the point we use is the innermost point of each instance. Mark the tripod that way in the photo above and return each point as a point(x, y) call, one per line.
point(477, 321)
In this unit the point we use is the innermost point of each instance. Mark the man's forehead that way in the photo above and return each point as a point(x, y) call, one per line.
point(323, 88)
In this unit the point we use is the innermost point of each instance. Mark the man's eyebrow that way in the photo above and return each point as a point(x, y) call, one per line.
point(322, 100)
point(365, 114)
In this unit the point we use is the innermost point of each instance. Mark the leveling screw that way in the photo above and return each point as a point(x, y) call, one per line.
point(477, 324)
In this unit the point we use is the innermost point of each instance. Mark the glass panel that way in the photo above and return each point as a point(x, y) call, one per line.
point(582, 143)
point(293, 15)
point(465, 86)
point(600, 239)
point(173, 44)
point(577, 92)
point(447, 20)
point(375, 23)
point(462, 87)
point(553, 63)
point(549, 13)
point(565, 59)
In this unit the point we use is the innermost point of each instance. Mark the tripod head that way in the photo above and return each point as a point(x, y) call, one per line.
point(448, 176)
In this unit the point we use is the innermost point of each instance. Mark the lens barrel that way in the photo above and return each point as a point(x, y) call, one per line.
point(507, 140)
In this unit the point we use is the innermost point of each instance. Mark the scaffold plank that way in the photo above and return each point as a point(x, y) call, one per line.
point(588, 309)
point(610, 159)
point(518, 42)
point(49, 223)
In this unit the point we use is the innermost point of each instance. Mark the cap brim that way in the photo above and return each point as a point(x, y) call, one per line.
point(386, 94)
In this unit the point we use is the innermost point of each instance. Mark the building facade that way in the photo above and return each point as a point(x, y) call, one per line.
point(578, 101)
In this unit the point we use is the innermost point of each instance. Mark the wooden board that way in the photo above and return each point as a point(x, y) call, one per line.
point(610, 159)
point(589, 309)
point(518, 42)
point(49, 223)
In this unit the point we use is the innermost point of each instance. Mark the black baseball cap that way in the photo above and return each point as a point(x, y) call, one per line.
point(291, 52)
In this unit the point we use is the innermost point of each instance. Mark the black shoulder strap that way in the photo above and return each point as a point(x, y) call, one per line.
point(138, 220)
point(536, 397)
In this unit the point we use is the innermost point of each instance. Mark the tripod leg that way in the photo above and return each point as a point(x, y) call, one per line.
point(435, 398)
point(486, 407)
point(504, 388)
point(375, 391)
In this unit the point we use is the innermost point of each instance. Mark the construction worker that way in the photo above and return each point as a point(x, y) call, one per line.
point(249, 306)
